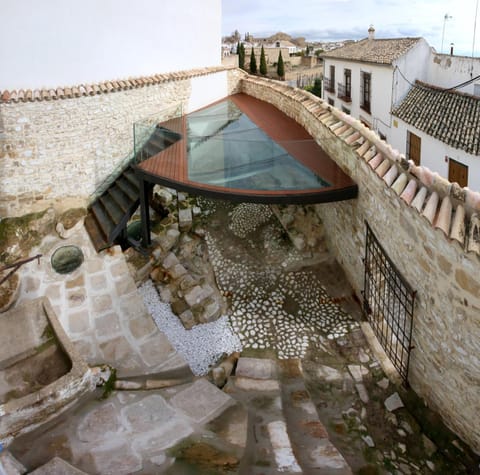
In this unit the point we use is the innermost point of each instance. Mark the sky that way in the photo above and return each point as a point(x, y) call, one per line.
point(335, 20)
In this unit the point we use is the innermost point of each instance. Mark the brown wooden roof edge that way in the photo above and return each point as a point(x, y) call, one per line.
point(83, 90)
point(325, 195)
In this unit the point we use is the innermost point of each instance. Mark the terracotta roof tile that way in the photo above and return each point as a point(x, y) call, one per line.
point(448, 116)
point(383, 51)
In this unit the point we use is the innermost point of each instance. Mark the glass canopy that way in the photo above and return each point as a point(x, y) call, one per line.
point(227, 149)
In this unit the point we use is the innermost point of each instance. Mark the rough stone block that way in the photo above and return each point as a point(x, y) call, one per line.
point(177, 271)
point(170, 260)
point(185, 219)
point(198, 294)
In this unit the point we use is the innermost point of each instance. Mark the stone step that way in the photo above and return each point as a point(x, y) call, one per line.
point(309, 438)
point(285, 434)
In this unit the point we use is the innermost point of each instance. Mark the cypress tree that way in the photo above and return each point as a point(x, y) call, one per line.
point(280, 66)
point(253, 62)
point(263, 63)
point(241, 56)
point(238, 48)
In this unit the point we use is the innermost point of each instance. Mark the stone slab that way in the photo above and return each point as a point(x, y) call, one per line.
point(202, 401)
point(57, 466)
point(326, 456)
point(9, 465)
point(164, 437)
point(99, 423)
point(393, 402)
point(282, 449)
point(148, 414)
point(23, 330)
point(117, 460)
point(256, 368)
point(249, 384)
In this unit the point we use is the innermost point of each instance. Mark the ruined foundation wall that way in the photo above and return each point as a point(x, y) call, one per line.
point(445, 361)
point(57, 146)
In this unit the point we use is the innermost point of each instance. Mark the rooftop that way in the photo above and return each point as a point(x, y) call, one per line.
point(381, 51)
point(449, 116)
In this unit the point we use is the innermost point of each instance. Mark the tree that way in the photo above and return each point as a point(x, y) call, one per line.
point(253, 62)
point(317, 87)
point(241, 56)
point(263, 63)
point(280, 66)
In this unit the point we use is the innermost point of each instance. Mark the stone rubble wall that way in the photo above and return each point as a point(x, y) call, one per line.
point(57, 147)
point(428, 228)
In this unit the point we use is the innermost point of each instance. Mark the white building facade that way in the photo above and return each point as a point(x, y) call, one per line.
point(371, 78)
point(67, 44)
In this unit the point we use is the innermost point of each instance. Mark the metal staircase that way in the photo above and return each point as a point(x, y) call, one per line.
point(108, 215)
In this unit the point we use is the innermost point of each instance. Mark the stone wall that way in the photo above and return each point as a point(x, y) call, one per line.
point(56, 147)
point(431, 255)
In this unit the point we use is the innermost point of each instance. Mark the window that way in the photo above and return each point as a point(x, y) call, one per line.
point(365, 91)
point(414, 146)
point(347, 111)
point(331, 101)
point(457, 172)
point(348, 82)
point(330, 82)
point(382, 136)
point(345, 89)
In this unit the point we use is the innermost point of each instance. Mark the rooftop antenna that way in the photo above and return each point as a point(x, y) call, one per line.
point(474, 30)
point(445, 18)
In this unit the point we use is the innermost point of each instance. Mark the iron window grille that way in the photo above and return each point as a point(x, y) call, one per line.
point(388, 302)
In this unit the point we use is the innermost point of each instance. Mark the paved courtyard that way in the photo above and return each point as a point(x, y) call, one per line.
point(306, 396)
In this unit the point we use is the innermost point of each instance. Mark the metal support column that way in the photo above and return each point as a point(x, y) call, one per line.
point(144, 212)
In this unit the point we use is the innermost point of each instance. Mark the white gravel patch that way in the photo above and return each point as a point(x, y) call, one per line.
point(201, 346)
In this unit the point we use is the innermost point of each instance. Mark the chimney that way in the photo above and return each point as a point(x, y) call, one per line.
point(371, 33)
point(451, 49)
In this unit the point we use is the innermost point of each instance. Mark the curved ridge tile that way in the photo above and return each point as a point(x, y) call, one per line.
point(400, 183)
point(457, 230)
point(383, 168)
point(474, 234)
point(375, 161)
point(419, 199)
point(391, 174)
point(431, 207)
point(409, 191)
point(444, 217)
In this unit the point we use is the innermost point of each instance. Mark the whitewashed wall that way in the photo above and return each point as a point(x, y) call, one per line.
point(381, 86)
point(410, 67)
point(433, 153)
point(62, 43)
point(447, 71)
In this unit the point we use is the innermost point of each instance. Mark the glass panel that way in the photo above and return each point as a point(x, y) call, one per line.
point(225, 148)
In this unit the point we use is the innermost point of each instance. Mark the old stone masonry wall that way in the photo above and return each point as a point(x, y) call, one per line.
point(431, 254)
point(57, 146)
